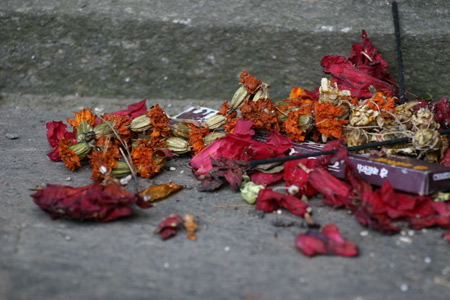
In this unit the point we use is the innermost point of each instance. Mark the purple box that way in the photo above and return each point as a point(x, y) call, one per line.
point(403, 173)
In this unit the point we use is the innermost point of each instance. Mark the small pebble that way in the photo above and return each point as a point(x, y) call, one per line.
point(172, 168)
point(405, 239)
point(411, 232)
point(404, 287)
point(427, 260)
point(182, 171)
point(403, 232)
point(68, 238)
point(226, 249)
point(371, 254)
point(424, 230)
point(68, 178)
point(126, 180)
point(364, 233)
point(166, 265)
point(279, 212)
point(12, 136)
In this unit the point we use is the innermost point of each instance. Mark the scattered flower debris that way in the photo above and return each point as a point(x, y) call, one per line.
point(356, 106)
point(326, 242)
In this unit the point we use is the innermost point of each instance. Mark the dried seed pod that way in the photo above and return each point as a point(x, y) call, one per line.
point(177, 145)
point(424, 119)
point(212, 137)
point(215, 121)
point(140, 124)
point(180, 130)
point(239, 97)
point(427, 140)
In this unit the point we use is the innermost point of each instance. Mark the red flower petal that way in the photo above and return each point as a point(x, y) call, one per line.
point(268, 201)
point(55, 132)
point(363, 68)
point(134, 110)
point(169, 226)
point(328, 242)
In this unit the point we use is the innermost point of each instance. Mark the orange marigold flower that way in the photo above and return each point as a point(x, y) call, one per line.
point(104, 161)
point(291, 126)
point(297, 92)
point(382, 101)
point(262, 113)
point(121, 125)
point(196, 136)
point(231, 117)
point(326, 119)
point(160, 122)
point(250, 81)
point(84, 115)
point(147, 161)
point(68, 156)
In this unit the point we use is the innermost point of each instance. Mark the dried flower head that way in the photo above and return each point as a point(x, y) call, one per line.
point(262, 113)
point(146, 160)
point(160, 122)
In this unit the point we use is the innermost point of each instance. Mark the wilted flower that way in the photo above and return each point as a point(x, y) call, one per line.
point(91, 202)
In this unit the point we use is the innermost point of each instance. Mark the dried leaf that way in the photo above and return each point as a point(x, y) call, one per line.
point(160, 191)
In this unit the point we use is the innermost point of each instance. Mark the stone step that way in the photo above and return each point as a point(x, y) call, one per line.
point(197, 49)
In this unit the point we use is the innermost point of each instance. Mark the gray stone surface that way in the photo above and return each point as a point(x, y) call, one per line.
point(197, 49)
point(238, 255)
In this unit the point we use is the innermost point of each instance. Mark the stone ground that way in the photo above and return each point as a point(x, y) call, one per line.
point(239, 254)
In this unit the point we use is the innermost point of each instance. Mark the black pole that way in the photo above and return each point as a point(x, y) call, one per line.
point(401, 78)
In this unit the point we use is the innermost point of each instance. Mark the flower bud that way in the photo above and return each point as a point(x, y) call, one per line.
point(212, 137)
point(81, 149)
point(238, 98)
point(215, 121)
point(180, 130)
point(121, 170)
point(104, 129)
point(140, 124)
point(177, 145)
point(250, 190)
point(83, 128)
